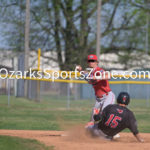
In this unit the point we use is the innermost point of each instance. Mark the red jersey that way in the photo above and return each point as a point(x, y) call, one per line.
point(101, 87)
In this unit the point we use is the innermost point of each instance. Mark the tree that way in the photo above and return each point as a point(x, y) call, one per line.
point(68, 27)
point(12, 18)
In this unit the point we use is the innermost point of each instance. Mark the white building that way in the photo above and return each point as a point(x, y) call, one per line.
point(109, 61)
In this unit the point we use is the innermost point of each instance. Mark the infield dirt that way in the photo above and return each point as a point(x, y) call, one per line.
point(77, 139)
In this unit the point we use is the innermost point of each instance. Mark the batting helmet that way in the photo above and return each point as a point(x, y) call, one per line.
point(123, 98)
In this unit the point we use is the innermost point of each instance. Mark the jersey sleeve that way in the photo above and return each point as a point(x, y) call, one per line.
point(97, 73)
point(132, 124)
point(100, 115)
point(97, 117)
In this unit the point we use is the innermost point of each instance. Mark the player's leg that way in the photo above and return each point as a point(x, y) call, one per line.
point(95, 109)
point(94, 131)
point(100, 104)
point(109, 99)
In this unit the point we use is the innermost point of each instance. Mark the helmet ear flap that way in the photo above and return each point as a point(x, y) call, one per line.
point(123, 98)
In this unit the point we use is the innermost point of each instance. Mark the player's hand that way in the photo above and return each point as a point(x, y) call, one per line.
point(89, 124)
point(78, 68)
point(141, 140)
point(96, 111)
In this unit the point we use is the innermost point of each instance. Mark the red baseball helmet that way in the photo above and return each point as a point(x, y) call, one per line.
point(92, 57)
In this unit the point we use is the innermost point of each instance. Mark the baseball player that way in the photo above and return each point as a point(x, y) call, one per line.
point(115, 118)
point(103, 93)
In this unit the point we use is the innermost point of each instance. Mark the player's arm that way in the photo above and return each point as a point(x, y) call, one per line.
point(98, 115)
point(79, 68)
point(101, 74)
point(85, 73)
point(138, 137)
point(133, 127)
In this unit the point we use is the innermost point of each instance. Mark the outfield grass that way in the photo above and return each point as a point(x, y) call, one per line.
point(52, 114)
point(16, 143)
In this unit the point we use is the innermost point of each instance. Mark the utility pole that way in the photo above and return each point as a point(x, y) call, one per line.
point(147, 33)
point(98, 43)
point(147, 28)
point(27, 31)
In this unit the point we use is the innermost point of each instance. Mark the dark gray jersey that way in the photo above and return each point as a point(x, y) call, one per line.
point(115, 118)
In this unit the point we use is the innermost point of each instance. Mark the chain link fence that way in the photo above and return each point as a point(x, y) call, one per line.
point(70, 92)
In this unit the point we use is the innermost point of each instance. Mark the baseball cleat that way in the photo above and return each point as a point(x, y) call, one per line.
point(117, 136)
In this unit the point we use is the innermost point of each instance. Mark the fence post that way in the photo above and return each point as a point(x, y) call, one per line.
point(147, 97)
point(8, 91)
point(68, 96)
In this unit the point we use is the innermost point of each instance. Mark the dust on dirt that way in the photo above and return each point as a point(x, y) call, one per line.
point(76, 139)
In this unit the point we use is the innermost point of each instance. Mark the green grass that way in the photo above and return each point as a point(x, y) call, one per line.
point(8, 143)
point(46, 115)
point(52, 114)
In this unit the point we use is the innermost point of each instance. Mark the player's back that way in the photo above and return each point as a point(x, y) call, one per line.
point(115, 118)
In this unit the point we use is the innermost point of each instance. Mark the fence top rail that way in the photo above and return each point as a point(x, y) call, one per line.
point(3, 76)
